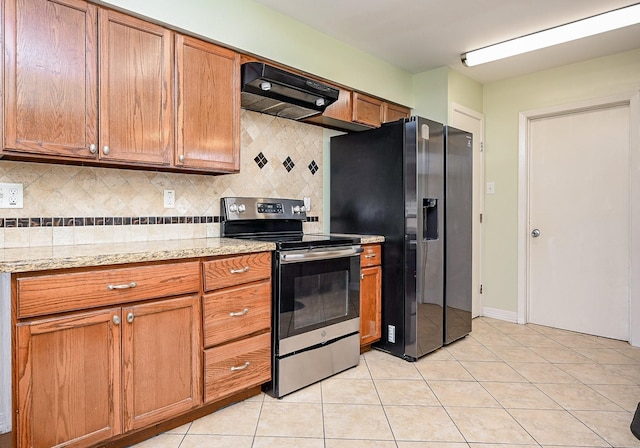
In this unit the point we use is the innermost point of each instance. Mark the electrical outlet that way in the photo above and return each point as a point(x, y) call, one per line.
point(11, 195)
point(169, 198)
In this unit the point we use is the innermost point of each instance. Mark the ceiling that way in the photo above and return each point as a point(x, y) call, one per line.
point(420, 35)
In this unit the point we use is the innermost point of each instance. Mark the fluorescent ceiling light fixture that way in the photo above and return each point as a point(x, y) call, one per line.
point(618, 18)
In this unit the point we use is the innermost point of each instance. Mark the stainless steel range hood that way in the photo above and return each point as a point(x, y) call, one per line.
point(273, 91)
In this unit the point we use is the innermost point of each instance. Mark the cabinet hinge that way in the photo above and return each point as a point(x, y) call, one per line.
point(481, 216)
point(480, 289)
point(481, 146)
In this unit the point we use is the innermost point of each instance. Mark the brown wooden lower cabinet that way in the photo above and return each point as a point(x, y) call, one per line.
point(90, 376)
point(370, 295)
point(120, 354)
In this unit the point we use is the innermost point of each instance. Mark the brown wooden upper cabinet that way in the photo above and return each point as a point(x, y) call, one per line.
point(85, 83)
point(357, 111)
point(136, 108)
point(208, 105)
point(51, 78)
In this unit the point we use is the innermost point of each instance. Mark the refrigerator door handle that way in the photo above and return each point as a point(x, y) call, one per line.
point(430, 229)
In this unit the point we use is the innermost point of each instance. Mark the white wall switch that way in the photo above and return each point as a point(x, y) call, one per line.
point(11, 195)
point(169, 198)
point(491, 188)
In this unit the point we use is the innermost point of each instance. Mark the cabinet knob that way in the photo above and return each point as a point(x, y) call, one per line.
point(116, 320)
point(93, 148)
point(130, 317)
point(181, 158)
point(105, 150)
point(362, 276)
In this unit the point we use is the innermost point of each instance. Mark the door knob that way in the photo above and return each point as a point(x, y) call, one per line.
point(535, 233)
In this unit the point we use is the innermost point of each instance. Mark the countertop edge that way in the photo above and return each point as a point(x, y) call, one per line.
point(31, 259)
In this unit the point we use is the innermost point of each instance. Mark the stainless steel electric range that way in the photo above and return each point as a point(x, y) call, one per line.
point(316, 291)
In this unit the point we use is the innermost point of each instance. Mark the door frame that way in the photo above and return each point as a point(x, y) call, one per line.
point(477, 267)
point(631, 99)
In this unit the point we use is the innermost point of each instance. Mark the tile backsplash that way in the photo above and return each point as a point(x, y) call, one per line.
point(82, 205)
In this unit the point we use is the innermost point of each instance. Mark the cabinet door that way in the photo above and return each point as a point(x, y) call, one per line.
point(208, 105)
point(370, 304)
point(161, 357)
point(367, 110)
point(51, 77)
point(136, 118)
point(68, 373)
point(393, 112)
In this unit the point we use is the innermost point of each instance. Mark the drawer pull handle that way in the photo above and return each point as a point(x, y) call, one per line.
point(240, 313)
point(239, 271)
point(125, 286)
point(242, 367)
point(370, 256)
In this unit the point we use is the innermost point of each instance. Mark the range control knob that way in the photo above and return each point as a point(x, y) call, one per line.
point(233, 208)
point(241, 208)
point(296, 209)
point(303, 209)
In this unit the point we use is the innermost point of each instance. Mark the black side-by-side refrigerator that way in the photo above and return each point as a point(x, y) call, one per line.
point(411, 181)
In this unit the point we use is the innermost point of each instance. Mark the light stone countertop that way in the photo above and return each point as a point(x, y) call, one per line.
point(26, 259)
point(371, 239)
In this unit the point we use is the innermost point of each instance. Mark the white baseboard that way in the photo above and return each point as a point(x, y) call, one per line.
point(495, 313)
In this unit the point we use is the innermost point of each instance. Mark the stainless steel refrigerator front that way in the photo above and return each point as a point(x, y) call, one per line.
point(411, 182)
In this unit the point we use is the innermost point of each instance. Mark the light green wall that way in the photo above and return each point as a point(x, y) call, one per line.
point(436, 89)
point(503, 101)
point(431, 90)
point(465, 91)
point(255, 29)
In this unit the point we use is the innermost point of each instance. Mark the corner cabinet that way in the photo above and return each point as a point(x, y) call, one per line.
point(86, 376)
point(208, 106)
point(370, 295)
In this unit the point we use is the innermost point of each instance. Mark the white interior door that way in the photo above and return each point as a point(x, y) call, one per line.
point(579, 225)
point(472, 121)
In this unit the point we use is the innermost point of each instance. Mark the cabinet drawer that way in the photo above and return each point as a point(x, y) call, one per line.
point(236, 366)
point(372, 255)
point(236, 312)
point(56, 293)
point(225, 272)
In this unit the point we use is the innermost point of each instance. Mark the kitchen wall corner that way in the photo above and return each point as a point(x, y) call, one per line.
point(65, 205)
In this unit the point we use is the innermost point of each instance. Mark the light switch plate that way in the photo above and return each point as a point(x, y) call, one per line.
point(11, 195)
point(491, 188)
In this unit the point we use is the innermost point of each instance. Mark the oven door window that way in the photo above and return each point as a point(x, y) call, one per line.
point(316, 294)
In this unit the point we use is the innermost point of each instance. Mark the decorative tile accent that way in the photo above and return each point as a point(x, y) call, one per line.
point(288, 164)
point(261, 160)
point(313, 167)
point(105, 221)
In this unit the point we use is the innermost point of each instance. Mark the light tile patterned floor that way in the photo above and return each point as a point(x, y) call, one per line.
point(505, 385)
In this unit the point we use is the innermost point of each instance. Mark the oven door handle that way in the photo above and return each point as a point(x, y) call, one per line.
point(322, 254)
